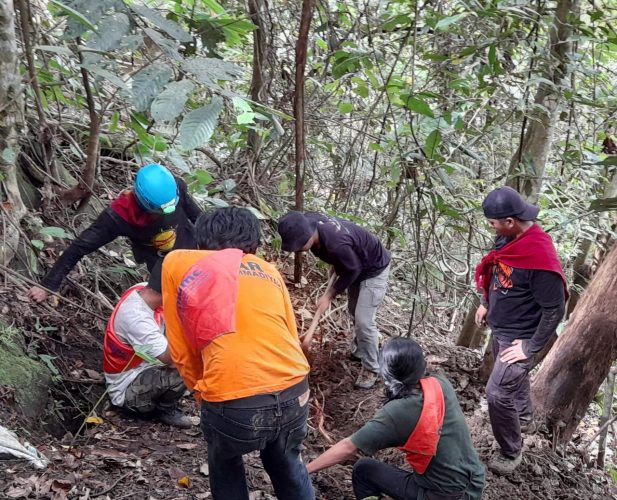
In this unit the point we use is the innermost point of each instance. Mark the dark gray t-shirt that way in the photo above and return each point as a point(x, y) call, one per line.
point(355, 253)
point(456, 466)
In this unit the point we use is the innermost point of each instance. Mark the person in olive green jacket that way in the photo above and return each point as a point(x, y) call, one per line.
point(423, 418)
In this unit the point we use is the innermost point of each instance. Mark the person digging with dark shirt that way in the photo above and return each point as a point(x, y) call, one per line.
point(525, 292)
point(156, 215)
point(362, 266)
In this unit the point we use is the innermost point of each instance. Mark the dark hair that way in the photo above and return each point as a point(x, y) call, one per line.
point(402, 365)
point(229, 227)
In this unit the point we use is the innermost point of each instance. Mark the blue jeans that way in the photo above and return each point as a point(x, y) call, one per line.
point(276, 430)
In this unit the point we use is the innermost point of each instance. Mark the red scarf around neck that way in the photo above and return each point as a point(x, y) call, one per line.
point(534, 249)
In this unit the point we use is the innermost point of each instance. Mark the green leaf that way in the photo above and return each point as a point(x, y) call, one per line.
point(256, 213)
point(167, 46)
point(147, 84)
point(446, 22)
point(432, 143)
point(241, 105)
point(245, 118)
point(73, 14)
point(210, 70)
point(169, 104)
point(108, 75)
point(111, 30)
point(38, 244)
point(55, 232)
point(173, 29)
point(174, 157)
point(198, 126)
point(56, 49)
point(345, 107)
point(203, 177)
point(49, 362)
point(142, 351)
point(419, 106)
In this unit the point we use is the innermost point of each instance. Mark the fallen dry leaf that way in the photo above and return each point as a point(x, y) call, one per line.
point(187, 446)
point(18, 492)
point(94, 420)
point(184, 481)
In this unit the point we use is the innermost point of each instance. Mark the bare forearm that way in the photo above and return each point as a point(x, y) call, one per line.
point(335, 455)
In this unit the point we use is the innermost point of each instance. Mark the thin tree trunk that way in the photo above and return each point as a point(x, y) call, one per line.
point(11, 123)
point(528, 163)
point(83, 191)
point(301, 53)
point(609, 390)
point(471, 334)
point(579, 362)
point(258, 80)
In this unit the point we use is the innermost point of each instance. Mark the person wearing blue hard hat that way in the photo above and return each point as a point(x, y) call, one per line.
point(156, 215)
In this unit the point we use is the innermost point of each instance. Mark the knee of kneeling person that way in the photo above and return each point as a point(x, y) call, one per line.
point(363, 468)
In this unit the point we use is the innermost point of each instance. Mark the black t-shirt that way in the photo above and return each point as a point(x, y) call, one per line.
point(517, 297)
point(149, 242)
point(355, 253)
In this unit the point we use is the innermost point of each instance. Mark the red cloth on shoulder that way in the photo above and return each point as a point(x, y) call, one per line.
point(534, 249)
point(126, 206)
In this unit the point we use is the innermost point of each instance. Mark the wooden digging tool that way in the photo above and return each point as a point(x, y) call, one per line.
point(308, 336)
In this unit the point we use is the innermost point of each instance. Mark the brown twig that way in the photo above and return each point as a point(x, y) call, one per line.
point(56, 294)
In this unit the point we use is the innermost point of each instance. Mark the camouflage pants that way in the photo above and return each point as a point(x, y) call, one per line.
point(158, 388)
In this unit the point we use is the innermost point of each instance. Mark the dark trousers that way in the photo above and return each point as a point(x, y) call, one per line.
point(276, 430)
point(509, 400)
point(372, 478)
point(157, 388)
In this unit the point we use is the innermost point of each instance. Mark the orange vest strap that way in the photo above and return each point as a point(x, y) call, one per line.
point(421, 446)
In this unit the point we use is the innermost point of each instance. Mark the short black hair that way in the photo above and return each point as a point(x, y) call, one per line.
point(229, 227)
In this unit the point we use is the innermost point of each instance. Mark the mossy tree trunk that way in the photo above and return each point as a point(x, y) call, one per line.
point(11, 123)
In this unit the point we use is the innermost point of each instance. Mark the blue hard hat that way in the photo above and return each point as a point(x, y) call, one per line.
point(156, 189)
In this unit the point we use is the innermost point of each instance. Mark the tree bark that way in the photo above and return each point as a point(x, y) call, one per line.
point(471, 335)
point(11, 123)
point(609, 390)
point(301, 53)
point(83, 191)
point(528, 163)
point(259, 78)
point(537, 141)
point(582, 356)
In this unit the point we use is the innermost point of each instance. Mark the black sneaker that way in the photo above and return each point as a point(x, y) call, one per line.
point(354, 359)
point(175, 418)
point(529, 427)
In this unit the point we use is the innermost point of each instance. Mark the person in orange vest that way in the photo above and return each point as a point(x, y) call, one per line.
point(135, 331)
point(424, 420)
point(232, 334)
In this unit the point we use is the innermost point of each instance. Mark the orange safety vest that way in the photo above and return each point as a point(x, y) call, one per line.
point(118, 356)
point(208, 296)
point(421, 446)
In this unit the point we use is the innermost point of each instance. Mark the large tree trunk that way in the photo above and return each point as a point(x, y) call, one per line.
point(582, 356)
point(301, 53)
point(538, 139)
point(11, 121)
point(528, 163)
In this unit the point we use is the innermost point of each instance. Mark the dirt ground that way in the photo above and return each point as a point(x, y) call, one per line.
point(125, 458)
